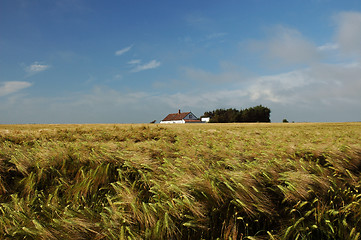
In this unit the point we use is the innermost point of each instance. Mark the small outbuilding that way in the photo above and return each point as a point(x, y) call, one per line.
point(205, 119)
point(181, 117)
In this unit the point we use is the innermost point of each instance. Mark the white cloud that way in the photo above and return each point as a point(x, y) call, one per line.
point(287, 46)
point(7, 88)
point(322, 92)
point(206, 100)
point(340, 81)
point(335, 85)
point(36, 67)
point(282, 88)
point(150, 65)
point(135, 61)
point(348, 33)
point(124, 50)
point(328, 47)
point(313, 87)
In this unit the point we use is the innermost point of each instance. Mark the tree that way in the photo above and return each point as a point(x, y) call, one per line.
point(256, 114)
point(223, 115)
point(253, 114)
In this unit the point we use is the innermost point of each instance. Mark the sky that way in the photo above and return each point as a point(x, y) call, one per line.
point(121, 61)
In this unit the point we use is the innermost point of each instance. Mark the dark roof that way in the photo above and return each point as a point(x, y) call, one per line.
point(176, 116)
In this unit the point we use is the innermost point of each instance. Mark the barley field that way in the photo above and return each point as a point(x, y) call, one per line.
point(201, 181)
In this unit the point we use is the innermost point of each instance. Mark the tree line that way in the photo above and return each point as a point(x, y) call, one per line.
point(253, 114)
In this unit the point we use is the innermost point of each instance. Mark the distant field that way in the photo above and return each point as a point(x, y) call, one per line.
point(200, 181)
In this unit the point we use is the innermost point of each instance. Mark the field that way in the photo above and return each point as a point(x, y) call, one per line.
point(201, 181)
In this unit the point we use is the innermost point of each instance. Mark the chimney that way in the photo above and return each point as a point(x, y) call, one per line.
point(179, 111)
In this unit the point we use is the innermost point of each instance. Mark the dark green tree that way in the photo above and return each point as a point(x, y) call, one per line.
point(256, 114)
point(223, 115)
point(253, 114)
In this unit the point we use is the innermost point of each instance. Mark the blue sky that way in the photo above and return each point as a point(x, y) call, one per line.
point(115, 61)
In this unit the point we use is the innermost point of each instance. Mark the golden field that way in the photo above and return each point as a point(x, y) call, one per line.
point(200, 181)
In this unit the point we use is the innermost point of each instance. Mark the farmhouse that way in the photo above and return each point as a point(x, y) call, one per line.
point(181, 117)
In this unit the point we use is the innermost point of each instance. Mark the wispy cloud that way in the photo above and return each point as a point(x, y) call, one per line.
point(122, 51)
point(328, 47)
point(135, 61)
point(150, 65)
point(287, 46)
point(36, 67)
point(7, 88)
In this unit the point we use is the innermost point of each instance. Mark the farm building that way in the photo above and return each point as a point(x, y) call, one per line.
point(205, 119)
point(181, 117)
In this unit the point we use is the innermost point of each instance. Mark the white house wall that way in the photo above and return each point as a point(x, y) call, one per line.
point(174, 121)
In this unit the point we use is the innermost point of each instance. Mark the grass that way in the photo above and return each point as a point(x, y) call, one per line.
point(201, 181)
